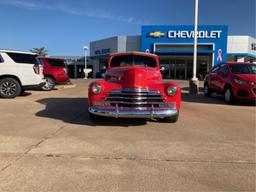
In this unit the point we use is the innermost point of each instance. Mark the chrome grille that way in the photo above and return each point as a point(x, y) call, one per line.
point(135, 98)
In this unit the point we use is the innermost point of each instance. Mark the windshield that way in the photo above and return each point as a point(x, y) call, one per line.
point(131, 60)
point(243, 68)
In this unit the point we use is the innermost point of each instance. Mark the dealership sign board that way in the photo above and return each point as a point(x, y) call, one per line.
point(215, 35)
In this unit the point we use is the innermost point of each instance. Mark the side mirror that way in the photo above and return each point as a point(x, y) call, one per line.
point(162, 68)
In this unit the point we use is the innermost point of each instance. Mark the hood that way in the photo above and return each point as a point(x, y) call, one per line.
point(135, 76)
point(247, 77)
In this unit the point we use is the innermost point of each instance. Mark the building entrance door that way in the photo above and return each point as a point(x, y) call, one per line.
point(181, 69)
point(174, 69)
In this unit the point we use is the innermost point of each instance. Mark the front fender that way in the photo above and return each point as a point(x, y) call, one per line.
point(106, 88)
point(162, 87)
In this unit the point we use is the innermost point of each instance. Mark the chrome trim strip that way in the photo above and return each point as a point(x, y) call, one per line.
point(133, 113)
point(135, 94)
point(135, 90)
point(134, 98)
point(137, 103)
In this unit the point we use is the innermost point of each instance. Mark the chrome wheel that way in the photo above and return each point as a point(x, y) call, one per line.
point(9, 88)
point(49, 85)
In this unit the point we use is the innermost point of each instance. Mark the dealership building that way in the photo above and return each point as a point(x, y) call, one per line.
point(174, 46)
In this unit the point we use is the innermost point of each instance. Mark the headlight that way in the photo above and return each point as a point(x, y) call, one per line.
point(96, 88)
point(171, 91)
point(241, 82)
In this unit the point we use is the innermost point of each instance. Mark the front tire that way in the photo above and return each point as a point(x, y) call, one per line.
point(9, 88)
point(207, 91)
point(228, 95)
point(49, 85)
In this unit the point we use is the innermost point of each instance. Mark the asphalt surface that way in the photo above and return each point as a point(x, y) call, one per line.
point(47, 143)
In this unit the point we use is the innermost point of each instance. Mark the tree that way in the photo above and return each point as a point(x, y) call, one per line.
point(40, 51)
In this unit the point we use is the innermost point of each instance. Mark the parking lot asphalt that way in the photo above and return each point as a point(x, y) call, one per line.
point(48, 143)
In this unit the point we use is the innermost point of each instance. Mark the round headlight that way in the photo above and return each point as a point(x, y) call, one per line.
point(96, 88)
point(171, 90)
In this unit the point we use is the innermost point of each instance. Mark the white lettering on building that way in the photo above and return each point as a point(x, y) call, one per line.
point(191, 34)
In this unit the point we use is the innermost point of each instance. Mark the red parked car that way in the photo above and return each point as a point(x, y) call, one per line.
point(133, 88)
point(55, 72)
point(234, 80)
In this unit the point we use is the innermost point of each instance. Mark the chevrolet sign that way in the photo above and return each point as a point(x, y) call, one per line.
point(191, 34)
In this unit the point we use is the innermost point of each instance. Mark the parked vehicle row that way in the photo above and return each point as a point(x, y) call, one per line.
point(132, 86)
point(20, 71)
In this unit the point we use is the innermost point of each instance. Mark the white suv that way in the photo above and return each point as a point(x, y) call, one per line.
point(19, 71)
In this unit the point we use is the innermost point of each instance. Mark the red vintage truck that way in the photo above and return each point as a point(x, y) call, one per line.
point(133, 88)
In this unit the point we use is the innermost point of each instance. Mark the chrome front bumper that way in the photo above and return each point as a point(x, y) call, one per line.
point(152, 114)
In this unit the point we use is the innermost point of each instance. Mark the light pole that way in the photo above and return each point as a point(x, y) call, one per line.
point(85, 61)
point(194, 83)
